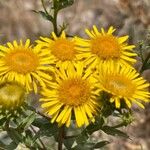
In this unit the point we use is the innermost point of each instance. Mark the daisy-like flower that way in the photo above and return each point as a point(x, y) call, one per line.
point(64, 50)
point(105, 47)
point(26, 65)
point(73, 93)
point(124, 84)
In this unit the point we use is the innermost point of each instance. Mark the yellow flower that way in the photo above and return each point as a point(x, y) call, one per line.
point(24, 64)
point(12, 95)
point(104, 47)
point(64, 50)
point(73, 93)
point(123, 84)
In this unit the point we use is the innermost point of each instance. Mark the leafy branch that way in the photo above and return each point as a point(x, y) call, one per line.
point(52, 15)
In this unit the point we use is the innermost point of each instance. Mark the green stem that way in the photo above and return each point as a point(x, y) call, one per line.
point(71, 136)
point(7, 125)
point(140, 53)
point(42, 1)
point(61, 137)
point(144, 63)
point(55, 22)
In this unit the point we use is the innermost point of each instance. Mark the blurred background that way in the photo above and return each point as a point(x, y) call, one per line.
point(132, 17)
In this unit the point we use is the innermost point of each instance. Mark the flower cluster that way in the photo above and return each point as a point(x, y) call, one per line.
point(70, 74)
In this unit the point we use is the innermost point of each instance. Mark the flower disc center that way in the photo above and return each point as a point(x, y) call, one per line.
point(105, 47)
point(120, 86)
point(63, 49)
point(74, 92)
point(22, 61)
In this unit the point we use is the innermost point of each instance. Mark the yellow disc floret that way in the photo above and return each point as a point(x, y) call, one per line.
point(74, 91)
point(106, 47)
point(22, 61)
point(120, 85)
point(63, 49)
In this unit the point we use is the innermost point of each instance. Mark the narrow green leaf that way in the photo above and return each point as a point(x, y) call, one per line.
point(113, 131)
point(11, 146)
point(61, 4)
point(147, 66)
point(86, 146)
point(79, 147)
point(46, 128)
point(82, 138)
point(45, 15)
point(69, 143)
point(2, 121)
point(27, 122)
point(101, 144)
point(14, 135)
point(2, 145)
point(28, 139)
point(95, 126)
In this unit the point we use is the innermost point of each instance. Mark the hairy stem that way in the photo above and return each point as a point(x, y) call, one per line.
point(61, 137)
point(55, 22)
point(42, 1)
point(144, 63)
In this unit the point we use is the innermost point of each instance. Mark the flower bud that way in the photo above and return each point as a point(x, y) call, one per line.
point(12, 95)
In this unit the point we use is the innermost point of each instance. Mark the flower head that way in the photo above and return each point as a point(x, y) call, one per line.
point(24, 64)
point(73, 92)
point(104, 47)
point(64, 50)
point(12, 95)
point(123, 84)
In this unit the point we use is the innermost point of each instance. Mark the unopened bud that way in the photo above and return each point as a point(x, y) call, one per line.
point(12, 95)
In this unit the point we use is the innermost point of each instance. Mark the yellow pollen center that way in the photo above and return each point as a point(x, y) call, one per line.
point(63, 49)
point(120, 85)
point(105, 47)
point(74, 92)
point(22, 61)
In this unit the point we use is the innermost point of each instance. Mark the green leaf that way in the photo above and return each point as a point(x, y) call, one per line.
point(2, 120)
point(95, 126)
point(28, 139)
point(45, 15)
point(113, 131)
point(82, 138)
point(14, 135)
point(27, 122)
point(69, 142)
point(2, 145)
point(61, 4)
point(79, 147)
point(86, 146)
point(11, 146)
point(101, 144)
point(46, 128)
point(147, 66)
